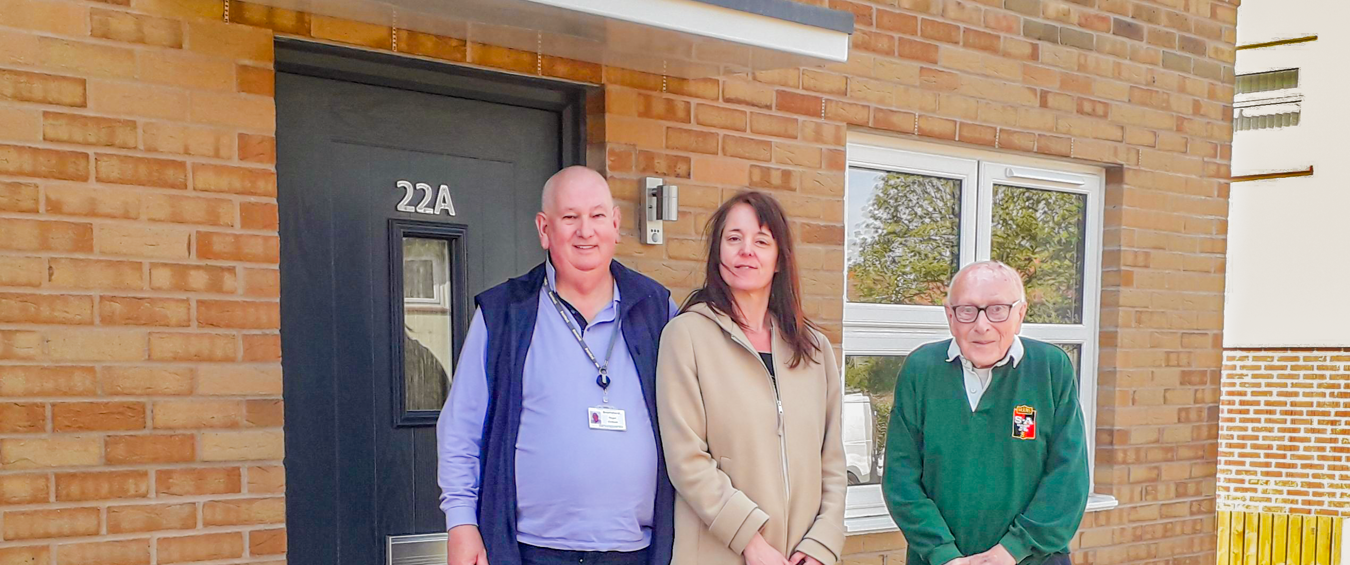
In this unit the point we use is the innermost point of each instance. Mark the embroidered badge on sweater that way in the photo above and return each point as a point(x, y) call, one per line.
point(1024, 422)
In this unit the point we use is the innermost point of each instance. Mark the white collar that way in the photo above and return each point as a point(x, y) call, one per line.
point(1014, 353)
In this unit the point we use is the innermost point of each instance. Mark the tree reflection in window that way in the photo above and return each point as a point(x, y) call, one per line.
point(905, 239)
point(1040, 234)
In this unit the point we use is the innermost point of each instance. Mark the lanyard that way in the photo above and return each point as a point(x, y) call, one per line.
point(603, 379)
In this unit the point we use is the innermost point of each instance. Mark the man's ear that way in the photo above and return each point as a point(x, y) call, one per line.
point(541, 225)
point(618, 223)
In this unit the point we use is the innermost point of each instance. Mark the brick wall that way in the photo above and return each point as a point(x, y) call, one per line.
point(1283, 444)
point(139, 379)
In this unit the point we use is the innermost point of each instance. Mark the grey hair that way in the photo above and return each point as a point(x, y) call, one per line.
point(993, 266)
point(551, 185)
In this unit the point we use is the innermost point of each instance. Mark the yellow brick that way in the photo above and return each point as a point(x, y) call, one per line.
point(183, 482)
point(86, 58)
point(230, 41)
point(96, 345)
point(244, 512)
point(159, 243)
point(88, 130)
point(140, 100)
point(46, 309)
point(238, 247)
point(238, 314)
point(351, 32)
point(47, 381)
point(55, 523)
point(95, 274)
point(23, 489)
point(20, 124)
point(100, 202)
point(19, 197)
point(187, 70)
point(146, 381)
point(239, 380)
point(188, 140)
point(267, 479)
point(121, 552)
point(175, 414)
point(193, 347)
point(18, 48)
point(189, 210)
point(135, 28)
point(26, 555)
point(193, 278)
point(203, 547)
point(20, 418)
point(52, 17)
point(59, 451)
point(242, 446)
point(246, 111)
point(151, 517)
point(142, 449)
point(213, 10)
point(22, 271)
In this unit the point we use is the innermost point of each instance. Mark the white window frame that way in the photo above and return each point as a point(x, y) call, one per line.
point(890, 330)
point(440, 281)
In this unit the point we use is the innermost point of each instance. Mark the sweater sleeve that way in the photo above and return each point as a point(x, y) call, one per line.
point(824, 541)
point(731, 516)
point(916, 514)
point(1056, 510)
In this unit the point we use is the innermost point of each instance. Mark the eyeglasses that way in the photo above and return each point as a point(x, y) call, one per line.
point(995, 313)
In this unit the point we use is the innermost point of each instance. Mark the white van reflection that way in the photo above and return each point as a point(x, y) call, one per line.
point(859, 439)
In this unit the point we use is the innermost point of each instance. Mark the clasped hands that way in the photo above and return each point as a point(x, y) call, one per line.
point(995, 556)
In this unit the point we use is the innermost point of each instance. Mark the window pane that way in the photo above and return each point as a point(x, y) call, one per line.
point(1040, 233)
point(1075, 352)
point(427, 329)
point(904, 236)
point(869, 382)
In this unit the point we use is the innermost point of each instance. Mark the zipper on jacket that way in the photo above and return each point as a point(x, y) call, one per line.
point(782, 426)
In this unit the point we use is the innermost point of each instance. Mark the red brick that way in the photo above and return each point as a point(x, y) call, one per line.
point(143, 449)
point(20, 418)
point(98, 416)
point(144, 171)
point(238, 314)
point(43, 163)
point(258, 216)
point(102, 485)
point(907, 48)
point(796, 103)
point(984, 41)
point(257, 148)
point(977, 134)
point(88, 130)
point(261, 347)
point(237, 247)
point(264, 413)
point(46, 309)
point(265, 283)
point(267, 542)
point(874, 42)
point(901, 23)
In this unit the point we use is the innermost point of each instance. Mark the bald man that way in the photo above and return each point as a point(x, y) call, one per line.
point(548, 449)
point(986, 461)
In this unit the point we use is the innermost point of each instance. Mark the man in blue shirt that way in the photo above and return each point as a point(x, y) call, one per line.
point(548, 447)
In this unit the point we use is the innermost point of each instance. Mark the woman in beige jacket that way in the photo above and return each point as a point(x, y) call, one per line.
point(749, 399)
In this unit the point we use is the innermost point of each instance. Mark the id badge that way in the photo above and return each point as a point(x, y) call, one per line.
point(602, 418)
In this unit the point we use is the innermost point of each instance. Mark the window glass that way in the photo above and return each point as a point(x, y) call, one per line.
point(869, 382)
point(904, 236)
point(427, 324)
point(1040, 234)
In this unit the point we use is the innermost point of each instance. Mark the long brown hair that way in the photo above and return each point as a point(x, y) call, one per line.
point(785, 292)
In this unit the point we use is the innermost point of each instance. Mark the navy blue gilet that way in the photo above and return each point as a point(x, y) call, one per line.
point(509, 310)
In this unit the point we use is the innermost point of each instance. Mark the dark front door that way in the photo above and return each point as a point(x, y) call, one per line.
point(403, 191)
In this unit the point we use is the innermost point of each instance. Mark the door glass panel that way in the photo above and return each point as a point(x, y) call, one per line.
point(1041, 234)
point(869, 384)
point(904, 236)
point(1075, 352)
point(427, 324)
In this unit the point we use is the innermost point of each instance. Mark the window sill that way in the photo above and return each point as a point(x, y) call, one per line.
point(865, 512)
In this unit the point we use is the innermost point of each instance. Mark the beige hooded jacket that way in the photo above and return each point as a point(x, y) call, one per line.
point(741, 462)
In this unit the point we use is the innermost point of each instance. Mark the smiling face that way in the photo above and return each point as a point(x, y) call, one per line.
point(748, 251)
point(982, 342)
point(579, 224)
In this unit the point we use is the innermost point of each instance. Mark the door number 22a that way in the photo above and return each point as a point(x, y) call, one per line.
point(443, 201)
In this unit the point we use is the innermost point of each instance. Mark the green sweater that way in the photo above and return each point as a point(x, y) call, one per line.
point(959, 482)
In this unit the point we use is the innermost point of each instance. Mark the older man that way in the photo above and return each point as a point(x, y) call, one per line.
point(548, 446)
point(985, 456)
